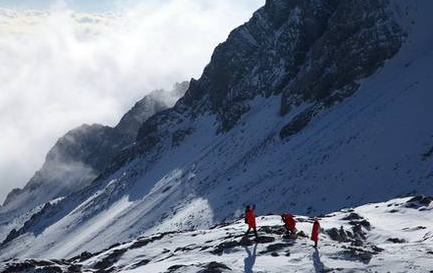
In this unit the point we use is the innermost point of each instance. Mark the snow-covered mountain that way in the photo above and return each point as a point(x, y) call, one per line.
point(394, 236)
point(79, 157)
point(310, 107)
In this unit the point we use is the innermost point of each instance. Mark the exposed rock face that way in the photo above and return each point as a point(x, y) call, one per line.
point(309, 50)
point(358, 39)
point(259, 57)
point(304, 50)
point(153, 103)
point(142, 110)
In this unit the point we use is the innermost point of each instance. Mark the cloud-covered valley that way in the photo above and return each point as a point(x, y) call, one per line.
point(60, 68)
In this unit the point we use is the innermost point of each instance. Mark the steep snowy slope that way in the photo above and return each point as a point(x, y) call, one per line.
point(290, 121)
point(394, 236)
point(79, 157)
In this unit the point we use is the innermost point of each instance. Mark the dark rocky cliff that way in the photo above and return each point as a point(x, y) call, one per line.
point(313, 51)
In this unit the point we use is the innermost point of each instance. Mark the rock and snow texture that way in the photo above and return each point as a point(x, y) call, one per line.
point(249, 130)
point(394, 236)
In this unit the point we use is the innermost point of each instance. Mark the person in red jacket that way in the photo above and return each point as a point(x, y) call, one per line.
point(315, 232)
point(289, 223)
point(250, 219)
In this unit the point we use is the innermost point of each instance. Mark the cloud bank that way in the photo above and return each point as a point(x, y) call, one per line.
point(60, 68)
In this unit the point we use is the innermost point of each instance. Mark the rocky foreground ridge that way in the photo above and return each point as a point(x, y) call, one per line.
point(394, 236)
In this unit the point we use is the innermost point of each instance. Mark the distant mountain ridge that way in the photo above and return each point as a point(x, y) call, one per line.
point(84, 152)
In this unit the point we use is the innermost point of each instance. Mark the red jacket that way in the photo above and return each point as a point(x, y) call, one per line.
point(289, 221)
point(315, 232)
point(251, 219)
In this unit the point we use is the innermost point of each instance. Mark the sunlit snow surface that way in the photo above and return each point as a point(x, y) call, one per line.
point(192, 251)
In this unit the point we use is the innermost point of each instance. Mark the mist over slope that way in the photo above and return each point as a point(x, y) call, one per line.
point(57, 62)
point(310, 107)
point(79, 157)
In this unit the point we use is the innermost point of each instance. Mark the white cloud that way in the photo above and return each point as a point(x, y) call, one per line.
point(60, 68)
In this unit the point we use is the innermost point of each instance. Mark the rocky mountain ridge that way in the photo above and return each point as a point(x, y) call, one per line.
point(299, 49)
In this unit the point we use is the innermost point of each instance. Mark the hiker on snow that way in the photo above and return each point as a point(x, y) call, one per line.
point(250, 219)
point(315, 232)
point(289, 223)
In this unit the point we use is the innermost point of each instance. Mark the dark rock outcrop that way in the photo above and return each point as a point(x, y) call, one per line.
point(396, 240)
point(354, 41)
point(352, 216)
point(338, 235)
point(419, 201)
point(219, 249)
point(215, 267)
point(110, 259)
